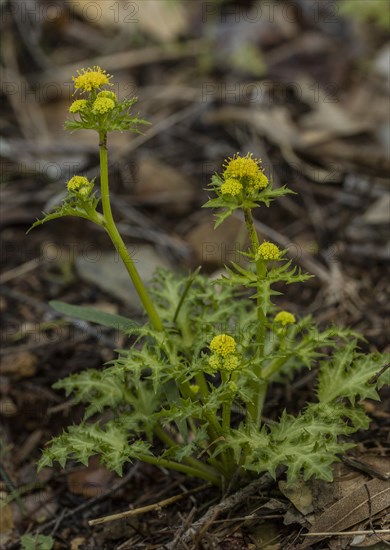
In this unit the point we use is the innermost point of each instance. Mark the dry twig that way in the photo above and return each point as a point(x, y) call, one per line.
point(143, 509)
point(224, 506)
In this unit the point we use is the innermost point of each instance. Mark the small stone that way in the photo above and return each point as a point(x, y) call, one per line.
point(19, 365)
point(106, 270)
point(160, 184)
point(77, 543)
point(217, 246)
point(7, 407)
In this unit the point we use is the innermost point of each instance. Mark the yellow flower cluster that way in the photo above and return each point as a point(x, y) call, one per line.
point(103, 105)
point(223, 345)
point(91, 79)
point(223, 357)
point(233, 387)
point(284, 318)
point(241, 167)
point(228, 363)
point(78, 106)
point(268, 251)
point(109, 94)
point(243, 172)
point(259, 183)
point(231, 187)
point(80, 185)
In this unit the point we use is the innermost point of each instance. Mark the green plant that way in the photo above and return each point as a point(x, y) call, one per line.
point(189, 394)
point(36, 542)
point(377, 11)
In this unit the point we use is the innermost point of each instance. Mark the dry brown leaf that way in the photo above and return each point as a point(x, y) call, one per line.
point(329, 117)
point(370, 541)
point(299, 494)
point(163, 20)
point(277, 126)
point(379, 212)
point(352, 509)
point(374, 465)
point(266, 536)
point(6, 518)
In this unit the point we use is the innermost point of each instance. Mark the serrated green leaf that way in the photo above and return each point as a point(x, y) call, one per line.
point(348, 375)
point(81, 442)
point(36, 542)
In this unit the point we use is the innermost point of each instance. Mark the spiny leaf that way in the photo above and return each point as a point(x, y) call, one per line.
point(348, 375)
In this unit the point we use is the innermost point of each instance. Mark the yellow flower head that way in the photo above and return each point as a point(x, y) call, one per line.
point(268, 251)
point(103, 105)
point(109, 94)
point(231, 187)
point(241, 167)
point(80, 185)
point(223, 345)
point(91, 79)
point(194, 388)
point(260, 182)
point(284, 318)
point(247, 171)
point(230, 362)
point(78, 106)
point(233, 386)
point(215, 362)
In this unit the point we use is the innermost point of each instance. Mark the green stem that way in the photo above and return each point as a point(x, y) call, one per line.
point(191, 461)
point(189, 283)
point(226, 406)
point(214, 425)
point(171, 465)
point(117, 239)
point(260, 269)
point(274, 367)
point(256, 409)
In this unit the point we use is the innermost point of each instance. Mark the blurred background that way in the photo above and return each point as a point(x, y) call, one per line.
point(302, 84)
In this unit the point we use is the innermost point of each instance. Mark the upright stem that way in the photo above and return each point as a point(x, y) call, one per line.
point(214, 428)
point(256, 409)
point(117, 239)
point(260, 269)
point(227, 405)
